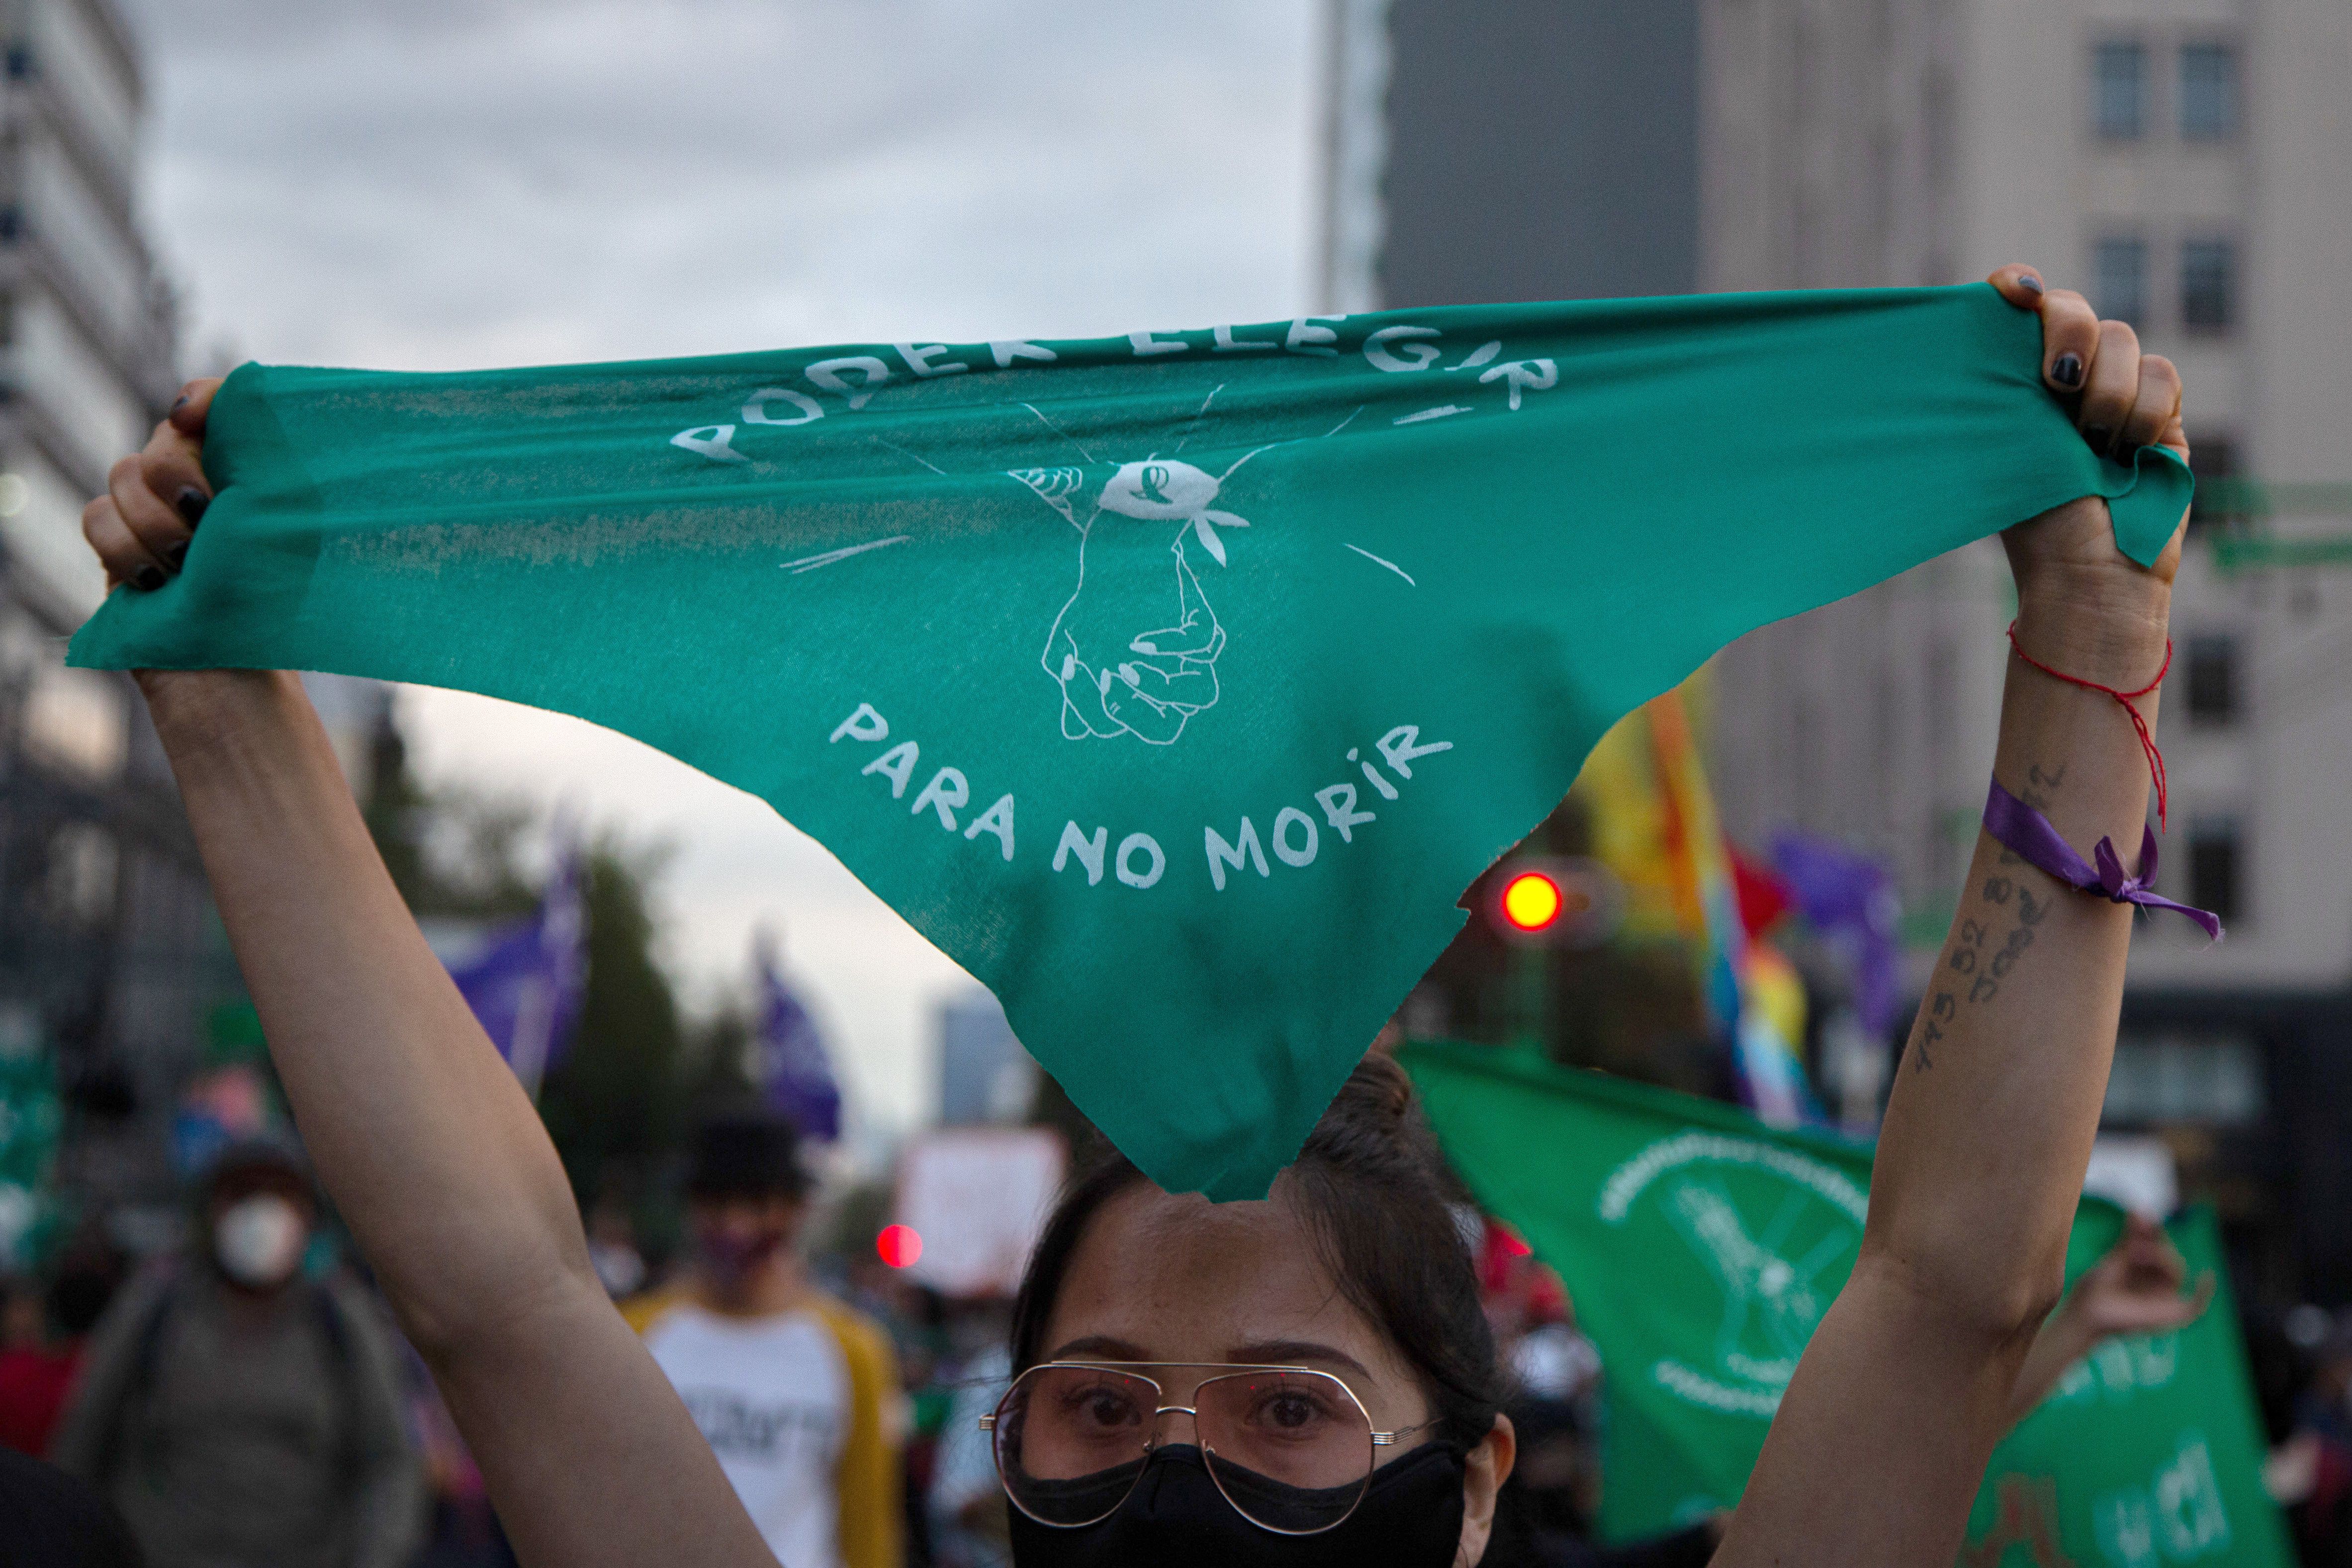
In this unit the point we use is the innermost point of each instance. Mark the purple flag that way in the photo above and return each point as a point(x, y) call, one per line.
point(1849, 899)
point(795, 1074)
point(527, 981)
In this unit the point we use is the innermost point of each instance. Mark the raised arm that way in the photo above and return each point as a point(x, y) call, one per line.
point(1883, 1436)
point(429, 1147)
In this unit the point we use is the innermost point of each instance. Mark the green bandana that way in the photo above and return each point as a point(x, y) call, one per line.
point(1174, 684)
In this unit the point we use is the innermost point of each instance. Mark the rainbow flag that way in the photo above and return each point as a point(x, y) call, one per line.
point(1654, 823)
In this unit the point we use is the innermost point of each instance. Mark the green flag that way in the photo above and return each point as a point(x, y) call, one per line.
point(1701, 1248)
point(31, 1118)
point(1174, 684)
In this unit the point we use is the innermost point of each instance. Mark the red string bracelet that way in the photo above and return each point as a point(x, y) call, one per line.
point(2147, 741)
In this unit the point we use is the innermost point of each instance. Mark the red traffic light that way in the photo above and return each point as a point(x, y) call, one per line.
point(899, 1246)
point(1532, 901)
point(1563, 900)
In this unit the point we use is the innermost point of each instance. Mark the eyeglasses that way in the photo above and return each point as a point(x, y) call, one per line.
point(1291, 1448)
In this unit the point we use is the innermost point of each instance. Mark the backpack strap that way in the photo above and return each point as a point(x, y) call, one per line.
point(148, 1346)
point(335, 1328)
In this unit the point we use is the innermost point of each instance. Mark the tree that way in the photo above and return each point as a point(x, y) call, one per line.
point(616, 1104)
point(454, 853)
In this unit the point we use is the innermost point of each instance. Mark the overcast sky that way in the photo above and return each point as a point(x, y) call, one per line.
point(431, 184)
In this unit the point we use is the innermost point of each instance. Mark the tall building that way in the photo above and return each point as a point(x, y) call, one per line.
point(2187, 163)
point(106, 929)
point(985, 1074)
point(1519, 150)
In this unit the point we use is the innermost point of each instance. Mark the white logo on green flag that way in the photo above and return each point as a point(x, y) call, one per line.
point(1768, 1222)
point(1701, 1250)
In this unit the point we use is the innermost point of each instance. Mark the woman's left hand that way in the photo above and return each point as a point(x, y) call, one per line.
point(2081, 601)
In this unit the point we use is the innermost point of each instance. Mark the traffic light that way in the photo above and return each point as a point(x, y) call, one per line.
point(899, 1246)
point(1554, 901)
point(1531, 902)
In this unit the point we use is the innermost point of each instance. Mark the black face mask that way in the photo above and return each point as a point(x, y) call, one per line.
point(1411, 1517)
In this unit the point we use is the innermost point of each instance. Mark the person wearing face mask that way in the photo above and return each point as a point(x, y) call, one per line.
point(1302, 1379)
point(796, 1394)
point(237, 1411)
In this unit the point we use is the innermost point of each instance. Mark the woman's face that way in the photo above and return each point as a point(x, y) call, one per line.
point(1163, 1279)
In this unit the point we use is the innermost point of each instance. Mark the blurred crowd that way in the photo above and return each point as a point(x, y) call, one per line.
point(246, 1398)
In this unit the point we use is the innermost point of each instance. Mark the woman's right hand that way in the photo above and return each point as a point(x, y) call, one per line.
point(155, 499)
point(2137, 1287)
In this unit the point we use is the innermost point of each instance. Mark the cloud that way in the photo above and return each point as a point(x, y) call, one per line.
point(582, 180)
point(438, 183)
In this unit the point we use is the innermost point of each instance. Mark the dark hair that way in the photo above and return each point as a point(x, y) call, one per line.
point(264, 1162)
point(745, 1151)
point(1374, 1194)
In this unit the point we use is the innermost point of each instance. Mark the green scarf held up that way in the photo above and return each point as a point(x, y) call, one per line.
point(1174, 684)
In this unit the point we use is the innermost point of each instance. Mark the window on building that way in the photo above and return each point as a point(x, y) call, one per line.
point(2209, 92)
point(2212, 679)
point(2213, 459)
point(2214, 1080)
point(2217, 867)
point(2119, 278)
point(2208, 285)
point(2119, 90)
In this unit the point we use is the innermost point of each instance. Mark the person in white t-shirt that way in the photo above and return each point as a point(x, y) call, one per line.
point(796, 1394)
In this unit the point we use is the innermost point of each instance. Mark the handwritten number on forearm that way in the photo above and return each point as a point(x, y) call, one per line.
point(1968, 959)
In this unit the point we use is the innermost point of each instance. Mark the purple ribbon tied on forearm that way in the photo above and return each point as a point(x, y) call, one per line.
point(2018, 827)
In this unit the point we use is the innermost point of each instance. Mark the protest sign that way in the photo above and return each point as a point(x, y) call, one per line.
point(1174, 684)
point(1701, 1248)
point(977, 1196)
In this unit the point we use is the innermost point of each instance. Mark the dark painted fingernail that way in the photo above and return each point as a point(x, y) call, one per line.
point(2029, 283)
point(2100, 440)
point(147, 578)
point(2067, 370)
point(178, 403)
point(176, 555)
point(190, 504)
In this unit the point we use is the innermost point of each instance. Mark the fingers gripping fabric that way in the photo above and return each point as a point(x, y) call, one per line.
point(1174, 684)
